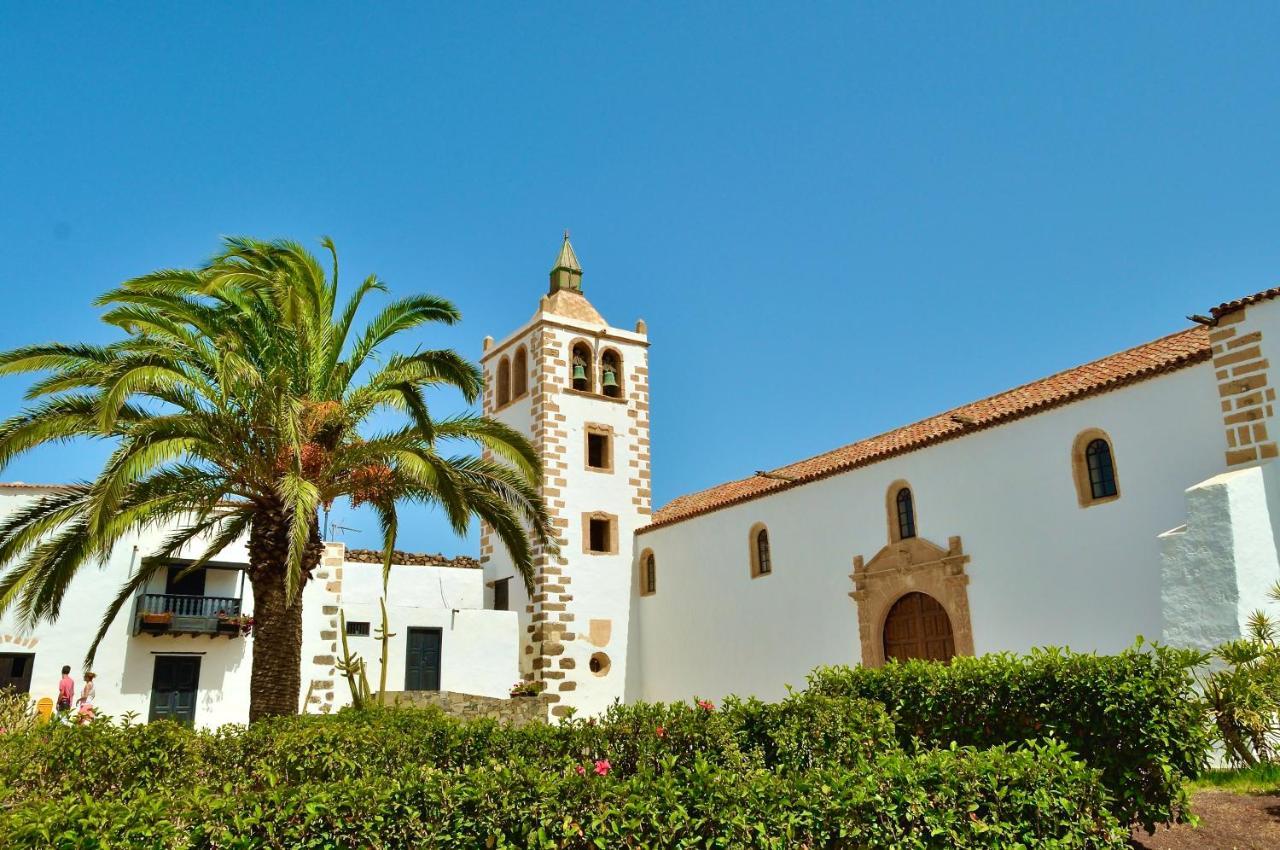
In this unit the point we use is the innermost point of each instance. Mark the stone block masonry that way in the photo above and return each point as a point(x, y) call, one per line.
point(1247, 398)
point(517, 711)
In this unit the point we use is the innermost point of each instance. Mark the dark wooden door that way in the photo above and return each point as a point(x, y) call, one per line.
point(918, 627)
point(173, 688)
point(15, 671)
point(422, 665)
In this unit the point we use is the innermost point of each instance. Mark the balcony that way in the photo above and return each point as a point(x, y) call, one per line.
point(175, 614)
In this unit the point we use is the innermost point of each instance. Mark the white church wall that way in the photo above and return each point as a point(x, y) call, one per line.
point(497, 562)
point(1043, 570)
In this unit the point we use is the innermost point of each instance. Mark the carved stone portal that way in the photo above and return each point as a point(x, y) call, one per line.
point(906, 566)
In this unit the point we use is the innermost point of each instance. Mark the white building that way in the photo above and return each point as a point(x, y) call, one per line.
point(175, 650)
point(1135, 495)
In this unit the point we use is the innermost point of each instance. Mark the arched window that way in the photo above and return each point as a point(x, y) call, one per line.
point(611, 374)
point(504, 381)
point(1094, 468)
point(905, 510)
point(648, 573)
point(761, 556)
point(580, 367)
point(520, 373)
point(1102, 472)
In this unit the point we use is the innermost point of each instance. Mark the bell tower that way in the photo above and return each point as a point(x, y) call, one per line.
point(578, 388)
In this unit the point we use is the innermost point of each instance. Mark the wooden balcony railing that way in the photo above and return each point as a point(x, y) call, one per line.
point(171, 613)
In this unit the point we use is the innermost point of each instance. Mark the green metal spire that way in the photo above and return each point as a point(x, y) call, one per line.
point(566, 273)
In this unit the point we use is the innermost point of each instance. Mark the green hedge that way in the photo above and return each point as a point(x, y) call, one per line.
point(103, 759)
point(1133, 716)
point(863, 754)
point(1039, 797)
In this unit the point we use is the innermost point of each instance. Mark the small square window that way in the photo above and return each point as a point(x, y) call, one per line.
point(501, 595)
point(598, 450)
point(599, 535)
point(356, 628)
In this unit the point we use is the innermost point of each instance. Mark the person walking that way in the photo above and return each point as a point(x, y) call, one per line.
point(66, 690)
point(84, 707)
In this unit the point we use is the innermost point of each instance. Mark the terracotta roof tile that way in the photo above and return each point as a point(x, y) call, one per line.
point(1231, 306)
point(1136, 364)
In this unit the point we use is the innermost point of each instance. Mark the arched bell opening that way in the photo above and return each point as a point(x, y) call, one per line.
point(580, 366)
point(611, 374)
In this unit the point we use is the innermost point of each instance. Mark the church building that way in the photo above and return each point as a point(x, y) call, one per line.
point(1134, 495)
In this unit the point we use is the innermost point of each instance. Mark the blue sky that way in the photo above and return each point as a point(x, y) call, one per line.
point(835, 218)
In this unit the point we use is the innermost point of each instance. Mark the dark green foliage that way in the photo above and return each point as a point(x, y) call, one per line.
point(1039, 797)
point(809, 729)
point(979, 753)
point(1134, 716)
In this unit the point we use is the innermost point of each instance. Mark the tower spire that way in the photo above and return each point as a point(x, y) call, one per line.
point(566, 273)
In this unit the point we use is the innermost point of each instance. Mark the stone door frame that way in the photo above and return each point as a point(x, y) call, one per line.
point(906, 566)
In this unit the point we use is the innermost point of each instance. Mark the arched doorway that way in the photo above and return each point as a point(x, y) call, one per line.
point(918, 627)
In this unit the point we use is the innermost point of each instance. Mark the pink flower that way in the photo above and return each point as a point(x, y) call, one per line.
point(661, 731)
point(706, 705)
point(602, 767)
point(582, 771)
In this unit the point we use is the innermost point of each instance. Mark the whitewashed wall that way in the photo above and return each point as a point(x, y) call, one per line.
point(478, 651)
point(125, 663)
point(478, 647)
point(602, 584)
point(1043, 570)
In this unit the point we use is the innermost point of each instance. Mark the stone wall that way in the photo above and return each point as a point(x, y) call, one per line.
point(517, 711)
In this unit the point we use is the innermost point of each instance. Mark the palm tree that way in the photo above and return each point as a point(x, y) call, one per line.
point(236, 402)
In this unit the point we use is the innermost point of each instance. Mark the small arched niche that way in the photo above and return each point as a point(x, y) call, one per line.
point(504, 382)
point(520, 373)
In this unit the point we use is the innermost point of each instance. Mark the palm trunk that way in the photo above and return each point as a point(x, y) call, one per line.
point(275, 681)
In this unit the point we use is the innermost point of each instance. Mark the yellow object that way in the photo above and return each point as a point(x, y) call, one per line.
point(44, 710)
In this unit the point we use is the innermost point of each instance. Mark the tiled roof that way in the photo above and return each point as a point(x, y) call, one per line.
point(566, 302)
point(416, 559)
point(1231, 306)
point(1136, 364)
point(22, 485)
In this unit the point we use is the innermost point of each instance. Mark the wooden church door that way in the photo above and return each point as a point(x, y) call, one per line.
point(918, 627)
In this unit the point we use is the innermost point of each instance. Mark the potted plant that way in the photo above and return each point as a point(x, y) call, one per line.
point(527, 688)
point(234, 623)
point(156, 621)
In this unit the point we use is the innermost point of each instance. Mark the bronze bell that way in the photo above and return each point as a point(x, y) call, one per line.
point(610, 381)
point(579, 372)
